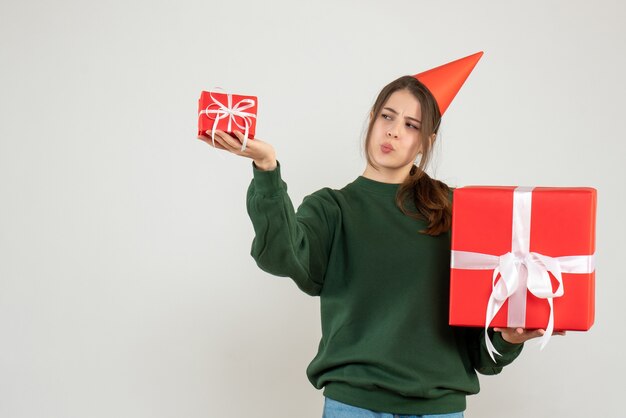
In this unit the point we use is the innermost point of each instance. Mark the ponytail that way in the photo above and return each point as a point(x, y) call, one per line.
point(431, 198)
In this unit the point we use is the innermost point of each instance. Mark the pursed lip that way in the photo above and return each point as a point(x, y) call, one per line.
point(386, 147)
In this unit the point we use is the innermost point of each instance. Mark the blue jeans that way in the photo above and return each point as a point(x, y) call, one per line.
point(335, 409)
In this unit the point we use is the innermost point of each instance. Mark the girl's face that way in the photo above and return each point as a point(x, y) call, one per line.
point(395, 138)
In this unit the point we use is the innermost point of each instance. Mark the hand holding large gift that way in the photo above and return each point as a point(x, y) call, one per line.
point(523, 258)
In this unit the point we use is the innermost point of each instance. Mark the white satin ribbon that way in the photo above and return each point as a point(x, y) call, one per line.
point(230, 111)
point(521, 269)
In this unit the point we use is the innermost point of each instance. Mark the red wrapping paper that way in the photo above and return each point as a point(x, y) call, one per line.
point(562, 224)
point(217, 107)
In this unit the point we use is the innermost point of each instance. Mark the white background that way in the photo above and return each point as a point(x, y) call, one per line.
point(126, 285)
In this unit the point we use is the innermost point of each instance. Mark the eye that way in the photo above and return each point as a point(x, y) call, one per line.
point(384, 116)
point(413, 126)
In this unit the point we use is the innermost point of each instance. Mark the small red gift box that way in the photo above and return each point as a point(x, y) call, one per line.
point(523, 257)
point(227, 112)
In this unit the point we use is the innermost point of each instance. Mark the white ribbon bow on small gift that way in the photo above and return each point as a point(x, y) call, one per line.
point(230, 111)
point(521, 269)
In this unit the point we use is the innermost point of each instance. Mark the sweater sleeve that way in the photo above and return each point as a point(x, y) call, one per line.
point(481, 361)
point(287, 243)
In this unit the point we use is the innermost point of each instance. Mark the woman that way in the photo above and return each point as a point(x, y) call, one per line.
point(377, 252)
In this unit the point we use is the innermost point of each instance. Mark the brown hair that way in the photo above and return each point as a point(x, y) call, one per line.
point(431, 197)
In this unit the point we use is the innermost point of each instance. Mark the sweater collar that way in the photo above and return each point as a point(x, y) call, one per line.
point(388, 189)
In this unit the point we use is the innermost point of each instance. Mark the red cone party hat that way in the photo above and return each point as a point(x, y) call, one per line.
point(445, 81)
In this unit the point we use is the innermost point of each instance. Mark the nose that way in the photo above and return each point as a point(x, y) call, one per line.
point(393, 132)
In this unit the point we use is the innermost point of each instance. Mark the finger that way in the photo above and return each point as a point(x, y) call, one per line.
point(224, 135)
point(229, 140)
point(210, 142)
point(219, 146)
point(239, 136)
point(223, 144)
point(216, 143)
point(218, 134)
point(231, 144)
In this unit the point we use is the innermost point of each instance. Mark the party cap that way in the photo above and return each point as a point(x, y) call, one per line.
point(445, 81)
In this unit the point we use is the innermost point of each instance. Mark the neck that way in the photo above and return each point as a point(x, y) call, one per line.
point(386, 175)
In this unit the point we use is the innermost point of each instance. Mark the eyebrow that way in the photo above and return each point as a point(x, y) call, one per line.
point(406, 117)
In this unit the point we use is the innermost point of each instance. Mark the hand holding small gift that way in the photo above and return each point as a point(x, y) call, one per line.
point(227, 112)
point(261, 152)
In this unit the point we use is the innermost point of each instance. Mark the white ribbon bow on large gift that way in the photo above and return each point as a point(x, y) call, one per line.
point(230, 111)
point(521, 269)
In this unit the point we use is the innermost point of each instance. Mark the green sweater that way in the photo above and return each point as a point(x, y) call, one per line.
point(386, 344)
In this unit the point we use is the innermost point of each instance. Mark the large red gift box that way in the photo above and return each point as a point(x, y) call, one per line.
point(532, 237)
point(227, 112)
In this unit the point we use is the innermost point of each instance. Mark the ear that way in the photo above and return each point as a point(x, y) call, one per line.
point(371, 115)
point(431, 141)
